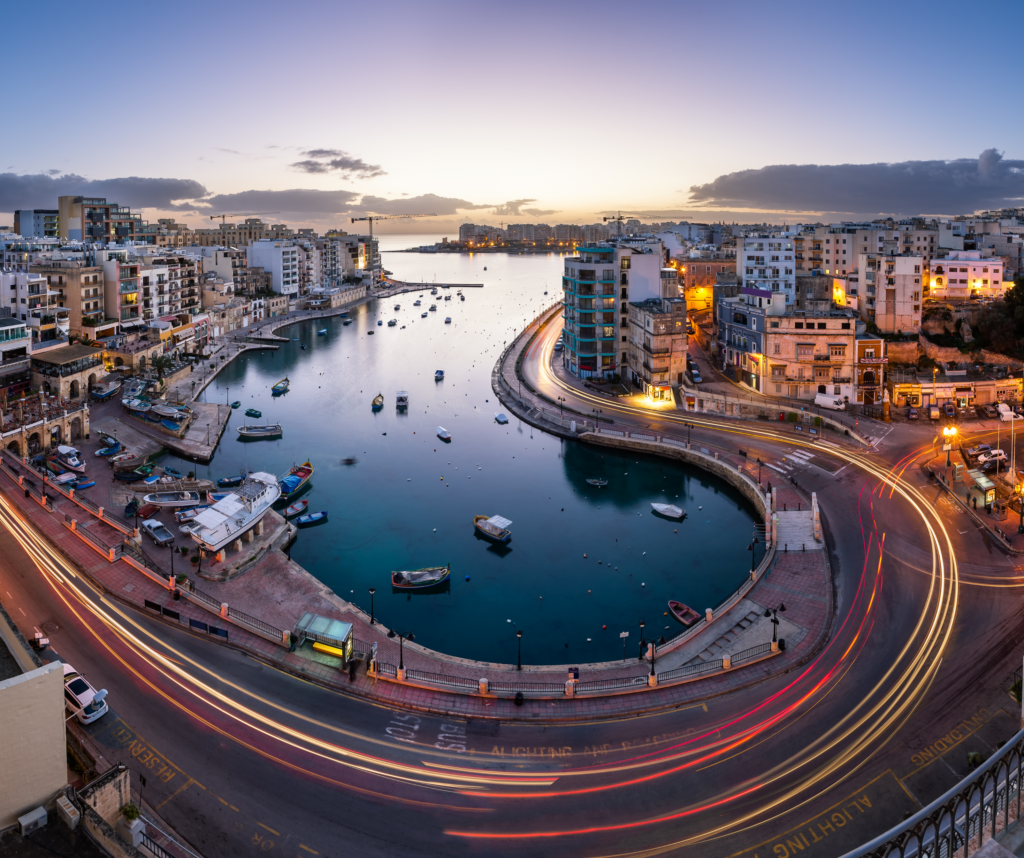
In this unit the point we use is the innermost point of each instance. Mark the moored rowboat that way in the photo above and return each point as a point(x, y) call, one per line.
point(493, 527)
point(667, 510)
point(684, 613)
point(296, 508)
point(420, 579)
point(312, 518)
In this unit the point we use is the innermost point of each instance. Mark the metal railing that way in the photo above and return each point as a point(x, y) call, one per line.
point(190, 589)
point(95, 540)
point(361, 648)
point(753, 652)
point(441, 679)
point(690, 670)
point(526, 687)
point(960, 819)
point(155, 847)
point(608, 684)
point(249, 620)
point(385, 669)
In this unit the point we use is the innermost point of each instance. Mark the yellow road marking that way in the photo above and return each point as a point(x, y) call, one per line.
point(268, 828)
point(308, 849)
point(182, 788)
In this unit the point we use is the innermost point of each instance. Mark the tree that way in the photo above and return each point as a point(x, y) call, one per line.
point(999, 328)
point(161, 363)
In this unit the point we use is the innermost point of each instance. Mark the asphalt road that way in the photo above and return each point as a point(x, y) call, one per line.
point(242, 759)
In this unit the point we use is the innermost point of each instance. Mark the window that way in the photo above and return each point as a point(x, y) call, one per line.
point(778, 348)
point(799, 325)
point(821, 326)
point(845, 326)
point(774, 324)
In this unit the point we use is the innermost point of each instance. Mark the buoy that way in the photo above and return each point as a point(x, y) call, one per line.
point(644, 554)
point(588, 640)
point(435, 530)
point(508, 621)
point(584, 556)
point(642, 584)
point(604, 627)
point(467, 577)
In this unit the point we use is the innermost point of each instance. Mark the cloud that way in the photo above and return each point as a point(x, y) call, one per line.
point(541, 212)
point(293, 201)
point(39, 190)
point(908, 187)
point(336, 161)
point(423, 204)
point(512, 207)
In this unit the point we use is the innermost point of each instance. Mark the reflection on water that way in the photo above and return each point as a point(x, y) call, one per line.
point(581, 557)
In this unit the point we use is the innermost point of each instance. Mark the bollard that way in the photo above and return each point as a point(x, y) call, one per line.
point(401, 674)
point(799, 507)
point(775, 646)
point(224, 609)
point(483, 685)
point(785, 548)
point(803, 546)
point(708, 615)
point(170, 582)
point(570, 688)
point(726, 662)
point(286, 638)
point(652, 680)
point(785, 507)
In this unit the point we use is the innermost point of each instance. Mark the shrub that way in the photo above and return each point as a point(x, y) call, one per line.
point(130, 811)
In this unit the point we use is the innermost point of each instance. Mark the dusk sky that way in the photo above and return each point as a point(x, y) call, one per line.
point(529, 112)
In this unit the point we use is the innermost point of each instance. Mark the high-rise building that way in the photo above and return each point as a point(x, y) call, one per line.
point(36, 223)
point(766, 263)
point(94, 219)
point(80, 290)
point(280, 259)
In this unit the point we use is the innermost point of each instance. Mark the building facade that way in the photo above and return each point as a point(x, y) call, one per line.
point(657, 340)
point(36, 223)
point(766, 263)
point(964, 274)
point(79, 288)
point(280, 259)
point(890, 290)
point(94, 219)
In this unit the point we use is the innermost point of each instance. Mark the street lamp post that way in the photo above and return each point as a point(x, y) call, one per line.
point(519, 660)
point(774, 614)
point(402, 636)
point(1020, 499)
point(654, 648)
point(642, 642)
point(561, 401)
point(372, 591)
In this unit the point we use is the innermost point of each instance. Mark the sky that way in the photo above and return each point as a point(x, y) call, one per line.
point(531, 112)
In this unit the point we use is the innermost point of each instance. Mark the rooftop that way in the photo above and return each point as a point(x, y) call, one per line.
point(67, 354)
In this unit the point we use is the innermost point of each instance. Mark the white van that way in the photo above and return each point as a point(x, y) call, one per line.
point(828, 400)
point(1006, 413)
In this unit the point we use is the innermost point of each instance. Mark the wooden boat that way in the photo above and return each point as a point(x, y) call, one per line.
point(105, 391)
point(402, 399)
point(312, 518)
point(227, 482)
point(130, 475)
point(424, 315)
point(70, 458)
point(268, 430)
point(78, 485)
point(151, 480)
point(595, 481)
point(347, 322)
point(398, 307)
point(109, 451)
point(438, 374)
point(378, 402)
point(462, 297)
point(296, 481)
point(322, 332)
point(236, 404)
point(444, 434)
point(173, 472)
point(252, 412)
point(296, 508)
point(370, 332)
point(447, 320)
point(163, 499)
point(420, 579)
point(167, 411)
point(121, 458)
point(667, 510)
point(349, 460)
point(280, 387)
point(188, 514)
point(216, 497)
point(392, 322)
point(173, 425)
point(500, 417)
point(684, 613)
point(493, 527)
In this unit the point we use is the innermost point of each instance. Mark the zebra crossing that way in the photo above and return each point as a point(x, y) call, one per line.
point(792, 461)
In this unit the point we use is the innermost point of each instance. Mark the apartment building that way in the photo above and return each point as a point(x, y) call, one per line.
point(122, 287)
point(1009, 248)
point(807, 354)
point(964, 274)
point(657, 343)
point(568, 232)
point(869, 369)
point(891, 289)
point(835, 249)
point(36, 223)
point(741, 325)
point(80, 290)
point(280, 259)
point(17, 253)
point(231, 263)
point(240, 235)
point(166, 232)
point(30, 299)
point(697, 278)
point(767, 263)
point(94, 219)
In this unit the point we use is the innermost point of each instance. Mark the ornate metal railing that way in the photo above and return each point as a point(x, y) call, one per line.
point(958, 823)
point(690, 670)
point(527, 687)
point(608, 684)
point(441, 679)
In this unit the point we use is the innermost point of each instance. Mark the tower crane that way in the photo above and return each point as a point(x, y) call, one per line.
point(240, 214)
point(371, 219)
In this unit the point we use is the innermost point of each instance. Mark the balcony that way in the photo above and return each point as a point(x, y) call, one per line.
point(652, 351)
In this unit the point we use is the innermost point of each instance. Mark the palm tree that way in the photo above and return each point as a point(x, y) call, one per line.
point(161, 363)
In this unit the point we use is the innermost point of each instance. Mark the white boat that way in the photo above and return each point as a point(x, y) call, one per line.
point(444, 434)
point(668, 510)
point(106, 390)
point(172, 498)
point(238, 512)
point(167, 411)
point(438, 375)
point(402, 399)
point(70, 458)
point(136, 405)
point(447, 320)
point(500, 417)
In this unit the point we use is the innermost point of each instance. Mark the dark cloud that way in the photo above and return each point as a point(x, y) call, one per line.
point(39, 190)
point(908, 187)
point(423, 204)
point(541, 212)
point(336, 161)
point(300, 201)
point(512, 207)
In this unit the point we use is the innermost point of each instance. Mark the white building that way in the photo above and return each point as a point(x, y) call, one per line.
point(966, 274)
point(31, 301)
point(280, 259)
point(767, 263)
point(890, 288)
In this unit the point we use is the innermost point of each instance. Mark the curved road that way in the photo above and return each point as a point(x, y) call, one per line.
point(242, 759)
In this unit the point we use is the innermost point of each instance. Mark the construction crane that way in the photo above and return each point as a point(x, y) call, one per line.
point(239, 214)
point(371, 219)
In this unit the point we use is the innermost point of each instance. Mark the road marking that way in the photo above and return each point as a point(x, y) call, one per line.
point(226, 803)
point(182, 788)
point(268, 828)
point(9, 596)
point(23, 613)
point(313, 851)
point(964, 729)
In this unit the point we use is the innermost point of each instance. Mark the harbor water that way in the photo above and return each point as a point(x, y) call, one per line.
point(585, 563)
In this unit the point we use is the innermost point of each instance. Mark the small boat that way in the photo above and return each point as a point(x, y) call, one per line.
point(392, 322)
point(667, 509)
point(109, 451)
point(296, 481)
point(684, 613)
point(151, 480)
point(267, 430)
point(188, 514)
point(371, 332)
point(380, 322)
point(462, 297)
point(432, 307)
point(252, 412)
point(173, 425)
point(493, 527)
point(485, 268)
point(216, 497)
point(78, 485)
point(322, 332)
point(444, 434)
point(136, 405)
point(280, 387)
point(402, 399)
point(163, 499)
point(417, 302)
point(70, 458)
point(447, 320)
point(312, 518)
point(347, 322)
point(173, 472)
point(134, 475)
point(596, 481)
point(228, 482)
point(350, 460)
point(398, 307)
point(235, 404)
point(296, 508)
point(378, 402)
point(303, 345)
point(165, 410)
point(295, 339)
point(121, 458)
point(433, 291)
point(447, 297)
point(420, 579)
point(500, 417)
point(189, 529)
point(105, 391)
point(438, 374)
point(424, 315)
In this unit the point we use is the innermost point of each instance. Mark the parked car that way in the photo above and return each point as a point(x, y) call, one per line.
point(949, 410)
point(157, 532)
point(82, 700)
point(978, 450)
point(969, 412)
point(989, 411)
point(913, 414)
point(695, 373)
point(993, 456)
point(933, 412)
